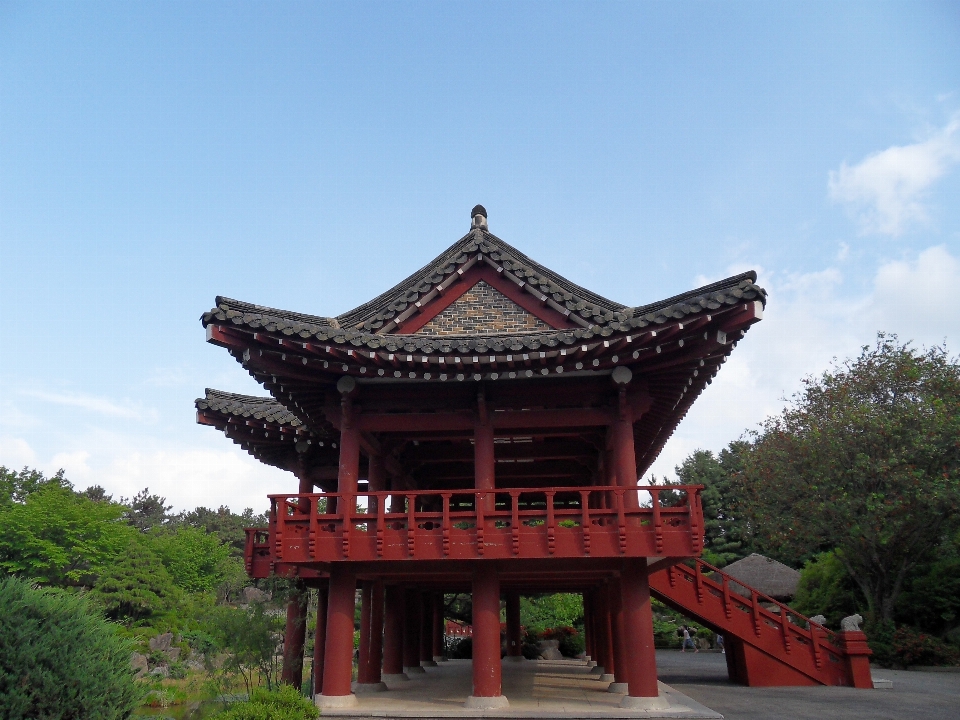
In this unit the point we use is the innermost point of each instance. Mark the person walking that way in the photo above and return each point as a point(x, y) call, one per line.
point(720, 644)
point(688, 641)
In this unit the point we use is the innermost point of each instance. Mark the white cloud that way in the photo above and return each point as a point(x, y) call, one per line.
point(886, 191)
point(94, 404)
point(16, 453)
point(808, 322)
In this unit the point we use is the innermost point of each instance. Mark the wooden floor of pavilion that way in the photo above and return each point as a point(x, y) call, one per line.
point(535, 688)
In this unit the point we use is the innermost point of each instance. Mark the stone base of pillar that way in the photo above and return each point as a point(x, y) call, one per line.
point(497, 702)
point(416, 669)
point(591, 663)
point(367, 688)
point(514, 658)
point(620, 688)
point(439, 658)
point(645, 703)
point(428, 663)
point(606, 677)
point(335, 701)
point(597, 670)
point(395, 677)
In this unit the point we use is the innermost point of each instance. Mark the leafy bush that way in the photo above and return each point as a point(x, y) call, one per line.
point(915, 648)
point(826, 589)
point(283, 703)
point(460, 648)
point(59, 658)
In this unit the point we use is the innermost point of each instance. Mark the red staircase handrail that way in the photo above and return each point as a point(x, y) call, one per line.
point(756, 597)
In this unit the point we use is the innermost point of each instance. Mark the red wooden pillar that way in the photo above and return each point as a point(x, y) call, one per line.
point(295, 637)
point(363, 655)
point(438, 628)
point(624, 456)
point(411, 633)
point(588, 634)
point(484, 464)
point(338, 655)
point(513, 627)
point(609, 661)
point(371, 639)
point(486, 639)
point(376, 632)
point(394, 616)
point(349, 467)
point(320, 639)
point(638, 626)
point(857, 658)
point(619, 640)
point(426, 630)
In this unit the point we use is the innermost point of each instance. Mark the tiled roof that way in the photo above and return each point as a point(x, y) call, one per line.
point(372, 315)
point(258, 408)
point(360, 326)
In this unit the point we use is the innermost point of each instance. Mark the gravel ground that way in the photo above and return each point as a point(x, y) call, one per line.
point(916, 695)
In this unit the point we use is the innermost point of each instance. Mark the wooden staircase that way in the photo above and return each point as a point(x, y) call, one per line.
point(766, 642)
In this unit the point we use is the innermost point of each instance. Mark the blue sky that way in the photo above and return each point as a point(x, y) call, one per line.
point(308, 156)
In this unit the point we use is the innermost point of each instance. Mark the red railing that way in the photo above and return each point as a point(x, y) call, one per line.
point(778, 632)
point(469, 524)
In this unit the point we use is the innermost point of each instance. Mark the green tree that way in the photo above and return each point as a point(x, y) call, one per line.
point(136, 586)
point(228, 526)
point(58, 537)
point(726, 535)
point(250, 638)
point(551, 611)
point(196, 560)
point(59, 658)
point(826, 589)
point(145, 511)
point(16, 487)
point(866, 462)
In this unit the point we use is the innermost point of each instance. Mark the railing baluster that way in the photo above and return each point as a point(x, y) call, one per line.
point(480, 521)
point(446, 524)
point(281, 527)
point(755, 608)
point(314, 529)
point(815, 645)
point(585, 519)
point(786, 630)
point(381, 522)
point(515, 520)
point(621, 522)
point(657, 522)
point(346, 518)
point(727, 607)
point(693, 512)
point(411, 524)
point(551, 524)
point(699, 581)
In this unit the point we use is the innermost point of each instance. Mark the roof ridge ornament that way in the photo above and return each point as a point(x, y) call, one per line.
point(479, 218)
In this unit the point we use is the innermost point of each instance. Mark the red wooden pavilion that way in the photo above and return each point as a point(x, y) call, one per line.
point(481, 427)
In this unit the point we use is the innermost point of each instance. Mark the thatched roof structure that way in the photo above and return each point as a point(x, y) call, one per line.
point(766, 575)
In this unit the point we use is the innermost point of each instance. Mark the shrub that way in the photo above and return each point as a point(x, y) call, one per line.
point(59, 658)
point(915, 648)
point(460, 648)
point(283, 703)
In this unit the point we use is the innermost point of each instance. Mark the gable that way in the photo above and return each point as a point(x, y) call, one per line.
point(482, 309)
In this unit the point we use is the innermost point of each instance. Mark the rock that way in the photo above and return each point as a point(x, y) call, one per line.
point(139, 663)
point(161, 642)
point(549, 650)
point(161, 671)
point(253, 595)
point(174, 654)
point(851, 623)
